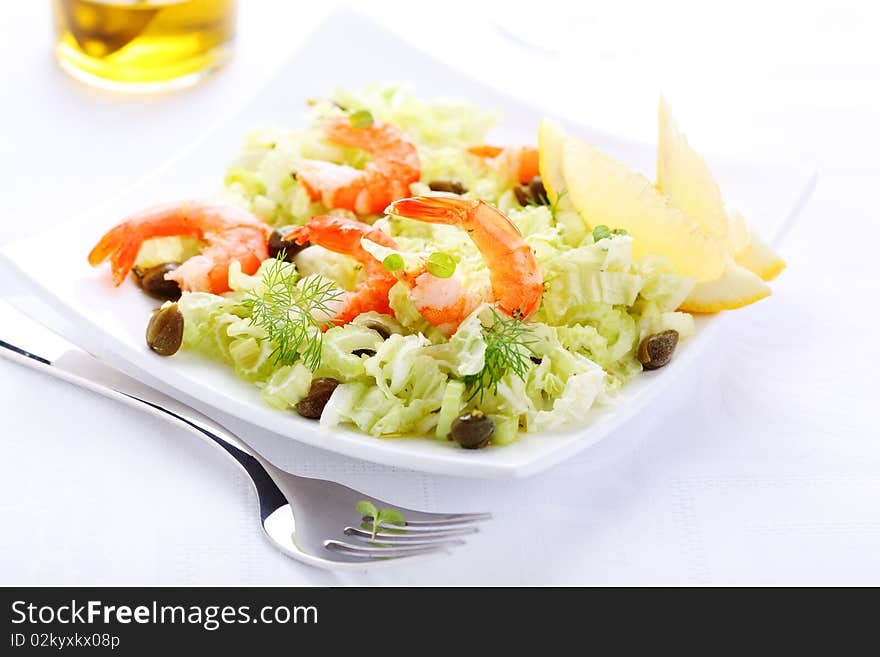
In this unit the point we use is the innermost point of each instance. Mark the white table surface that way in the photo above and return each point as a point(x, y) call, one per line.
point(762, 466)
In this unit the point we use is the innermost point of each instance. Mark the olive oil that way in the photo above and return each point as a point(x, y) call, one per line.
point(146, 45)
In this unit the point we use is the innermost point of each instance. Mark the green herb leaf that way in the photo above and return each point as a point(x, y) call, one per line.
point(600, 232)
point(361, 119)
point(387, 516)
point(293, 316)
point(393, 262)
point(392, 517)
point(441, 265)
point(367, 508)
point(508, 348)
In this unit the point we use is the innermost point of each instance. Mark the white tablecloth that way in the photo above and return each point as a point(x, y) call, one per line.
point(762, 466)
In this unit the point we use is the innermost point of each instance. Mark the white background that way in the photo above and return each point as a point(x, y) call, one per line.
point(762, 466)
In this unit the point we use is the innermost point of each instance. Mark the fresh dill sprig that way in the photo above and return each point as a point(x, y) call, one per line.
point(293, 316)
point(508, 349)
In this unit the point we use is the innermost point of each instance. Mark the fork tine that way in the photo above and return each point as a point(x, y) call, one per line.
point(436, 524)
point(417, 538)
point(416, 529)
point(441, 518)
point(378, 552)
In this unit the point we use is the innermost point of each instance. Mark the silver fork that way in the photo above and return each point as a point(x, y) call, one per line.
point(311, 520)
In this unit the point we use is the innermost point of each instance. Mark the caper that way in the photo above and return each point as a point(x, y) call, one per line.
point(656, 350)
point(451, 186)
point(472, 430)
point(277, 244)
point(523, 195)
point(152, 280)
point(378, 327)
point(537, 191)
point(312, 405)
point(165, 330)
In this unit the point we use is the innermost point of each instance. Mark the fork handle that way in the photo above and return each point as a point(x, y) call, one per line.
point(85, 371)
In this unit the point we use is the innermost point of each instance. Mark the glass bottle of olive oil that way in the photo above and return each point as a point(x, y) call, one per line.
point(143, 45)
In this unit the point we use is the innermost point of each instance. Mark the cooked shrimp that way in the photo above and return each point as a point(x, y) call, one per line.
point(231, 234)
point(519, 163)
point(515, 279)
point(387, 176)
point(344, 236)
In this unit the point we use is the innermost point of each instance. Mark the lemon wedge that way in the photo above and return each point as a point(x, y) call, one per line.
point(739, 235)
point(736, 288)
point(684, 178)
point(604, 191)
point(760, 258)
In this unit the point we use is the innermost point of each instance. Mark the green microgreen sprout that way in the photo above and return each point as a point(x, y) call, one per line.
point(441, 265)
point(376, 516)
point(361, 119)
point(393, 262)
point(602, 231)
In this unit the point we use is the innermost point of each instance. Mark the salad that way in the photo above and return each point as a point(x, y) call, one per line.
point(388, 268)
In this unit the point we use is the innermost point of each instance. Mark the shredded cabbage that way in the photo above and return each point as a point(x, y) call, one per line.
point(287, 386)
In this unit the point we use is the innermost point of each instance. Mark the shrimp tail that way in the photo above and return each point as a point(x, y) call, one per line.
point(434, 209)
point(341, 235)
point(109, 243)
point(121, 247)
point(299, 235)
point(485, 150)
point(123, 259)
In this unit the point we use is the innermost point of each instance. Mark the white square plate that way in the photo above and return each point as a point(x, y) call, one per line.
point(110, 322)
